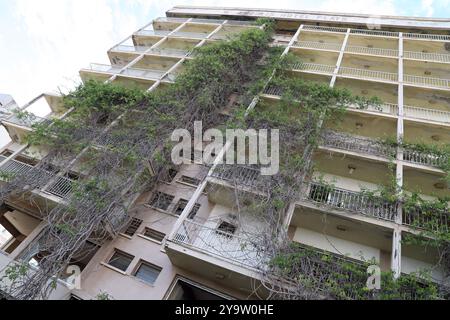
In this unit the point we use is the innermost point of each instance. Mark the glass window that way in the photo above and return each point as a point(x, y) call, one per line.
point(120, 260)
point(147, 272)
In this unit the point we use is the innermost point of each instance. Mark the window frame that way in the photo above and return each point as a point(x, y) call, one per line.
point(148, 264)
point(108, 263)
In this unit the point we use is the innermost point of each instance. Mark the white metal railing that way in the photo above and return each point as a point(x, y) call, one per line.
point(364, 145)
point(368, 74)
point(431, 219)
point(424, 158)
point(351, 201)
point(332, 46)
point(104, 68)
point(62, 187)
point(241, 23)
point(129, 48)
point(438, 57)
point(27, 120)
point(438, 37)
point(426, 81)
point(157, 33)
point(170, 52)
point(242, 174)
point(372, 51)
point(387, 108)
point(192, 35)
point(211, 21)
point(143, 73)
point(171, 19)
point(313, 67)
point(427, 114)
point(324, 29)
point(378, 33)
point(241, 248)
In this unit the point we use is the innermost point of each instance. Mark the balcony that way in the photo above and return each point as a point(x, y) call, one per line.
point(430, 220)
point(242, 249)
point(426, 114)
point(61, 188)
point(327, 275)
point(238, 174)
point(424, 159)
point(313, 68)
point(153, 33)
point(130, 48)
point(368, 74)
point(358, 144)
point(25, 122)
point(382, 52)
point(143, 73)
point(170, 52)
point(351, 201)
point(220, 244)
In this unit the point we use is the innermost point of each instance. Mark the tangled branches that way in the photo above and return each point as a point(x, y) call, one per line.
point(117, 139)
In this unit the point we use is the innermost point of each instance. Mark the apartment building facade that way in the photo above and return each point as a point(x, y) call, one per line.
point(184, 241)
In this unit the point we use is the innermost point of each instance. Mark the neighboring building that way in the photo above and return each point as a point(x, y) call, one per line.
point(183, 242)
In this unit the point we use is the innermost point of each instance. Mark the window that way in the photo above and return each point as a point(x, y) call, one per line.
point(147, 272)
point(226, 229)
point(161, 200)
point(120, 260)
point(180, 206)
point(191, 181)
point(171, 174)
point(182, 203)
point(194, 211)
point(132, 227)
point(154, 235)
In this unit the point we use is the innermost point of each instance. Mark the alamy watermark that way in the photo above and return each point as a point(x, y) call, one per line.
point(251, 147)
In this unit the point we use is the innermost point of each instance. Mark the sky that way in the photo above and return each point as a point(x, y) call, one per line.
point(44, 43)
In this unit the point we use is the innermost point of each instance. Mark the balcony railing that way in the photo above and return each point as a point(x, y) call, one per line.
point(372, 51)
point(171, 19)
point(190, 35)
point(324, 29)
point(437, 57)
point(328, 274)
point(319, 45)
point(433, 220)
point(424, 158)
point(419, 36)
point(155, 33)
point(104, 68)
point(128, 48)
point(170, 52)
point(27, 121)
point(62, 187)
point(143, 73)
point(339, 140)
point(241, 248)
point(241, 174)
point(426, 81)
point(388, 108)
point(368, 74)
point(356, 202)
point(376, 33)
point(427, 114)
point(313, 67)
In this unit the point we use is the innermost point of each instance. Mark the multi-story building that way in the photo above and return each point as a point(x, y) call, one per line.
point(184, 241)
